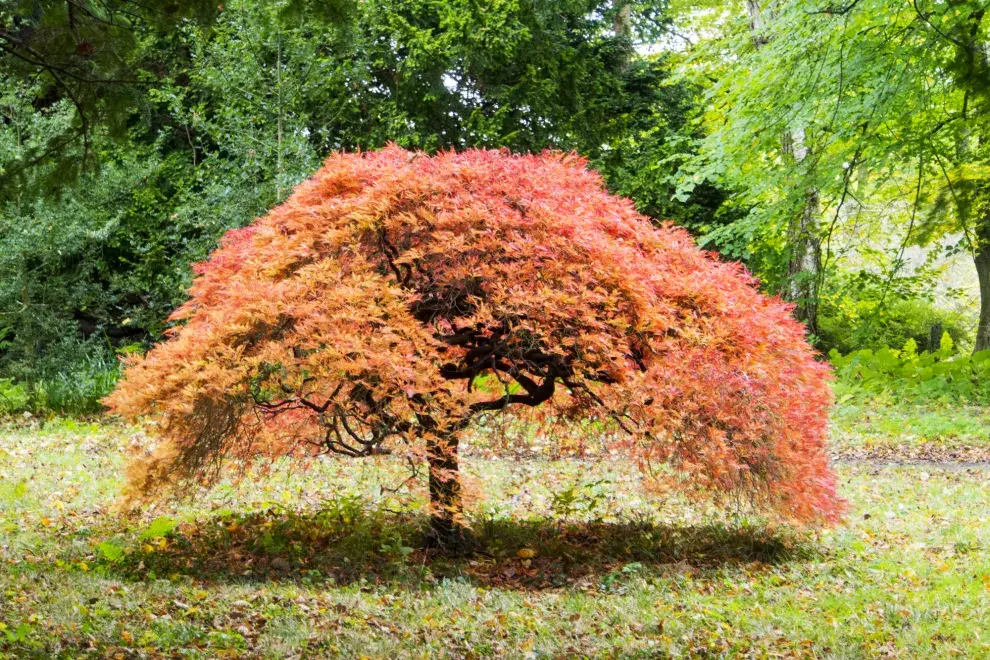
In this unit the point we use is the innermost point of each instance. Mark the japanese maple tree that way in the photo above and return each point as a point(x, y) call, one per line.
point(397, 297)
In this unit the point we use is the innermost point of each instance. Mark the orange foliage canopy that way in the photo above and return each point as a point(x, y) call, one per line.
point(396, 296)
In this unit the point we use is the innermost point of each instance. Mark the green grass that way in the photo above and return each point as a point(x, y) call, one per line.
point(885, 428)
point(326, 564)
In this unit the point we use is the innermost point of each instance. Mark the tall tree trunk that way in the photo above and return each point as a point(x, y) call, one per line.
point(804, 240)
point(622, 24)
point(974, 64)
point(803, 232)
point(805, 263)
point(981, 258)
point(755, 13)
point(447, 506)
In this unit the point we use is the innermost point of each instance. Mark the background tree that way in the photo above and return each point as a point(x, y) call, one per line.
point(888, 100)
point(396, 297)
point(823, 146)
point(92, 56)
point(243, 104)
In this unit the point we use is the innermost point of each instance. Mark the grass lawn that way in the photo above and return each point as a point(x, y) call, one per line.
point(577, 561)
point(886, 428)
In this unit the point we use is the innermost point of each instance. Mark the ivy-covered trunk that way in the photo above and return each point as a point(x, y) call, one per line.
point(805, 263)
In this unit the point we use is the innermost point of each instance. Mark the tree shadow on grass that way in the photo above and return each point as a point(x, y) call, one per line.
point(345, 548)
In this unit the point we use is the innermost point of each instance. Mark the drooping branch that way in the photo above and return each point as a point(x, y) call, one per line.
point(494, 349)
point(540, 394)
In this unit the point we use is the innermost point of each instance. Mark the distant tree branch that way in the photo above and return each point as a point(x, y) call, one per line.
point(836, 10)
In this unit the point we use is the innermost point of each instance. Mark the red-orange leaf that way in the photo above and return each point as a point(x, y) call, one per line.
point(396, 297)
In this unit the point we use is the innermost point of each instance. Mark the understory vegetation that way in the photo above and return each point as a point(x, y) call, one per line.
point(576, 559)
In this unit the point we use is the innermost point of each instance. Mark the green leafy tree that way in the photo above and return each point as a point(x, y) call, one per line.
point(91, 55)
point(243, 103)
point(889, 100)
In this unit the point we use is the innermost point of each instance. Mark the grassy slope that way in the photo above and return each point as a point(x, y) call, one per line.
point(256, 571)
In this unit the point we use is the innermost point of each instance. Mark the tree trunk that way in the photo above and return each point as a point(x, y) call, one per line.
point(804, 239)
point(935, 337)
point(804, 264)
point(971, 62)
point(447, 530)
point(755, 12)
point(982, 261)
point(622, 24)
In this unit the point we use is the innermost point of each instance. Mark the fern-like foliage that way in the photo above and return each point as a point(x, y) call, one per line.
point(395, 298)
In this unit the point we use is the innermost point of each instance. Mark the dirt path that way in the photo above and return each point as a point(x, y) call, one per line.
point(928, 454)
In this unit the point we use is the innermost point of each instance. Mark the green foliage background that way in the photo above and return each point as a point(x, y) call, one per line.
point(96, 237)
point(132, 138)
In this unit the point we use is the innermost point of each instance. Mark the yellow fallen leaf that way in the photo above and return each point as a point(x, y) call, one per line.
point(526, 553)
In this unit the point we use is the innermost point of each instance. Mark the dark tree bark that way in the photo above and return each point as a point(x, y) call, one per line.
point(982, 261)
point(447, 531)
point(935, 337)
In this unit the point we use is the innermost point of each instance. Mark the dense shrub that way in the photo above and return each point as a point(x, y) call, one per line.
point(105, 254)
point(933, 376)
point(852, 321)
point(73, 387)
